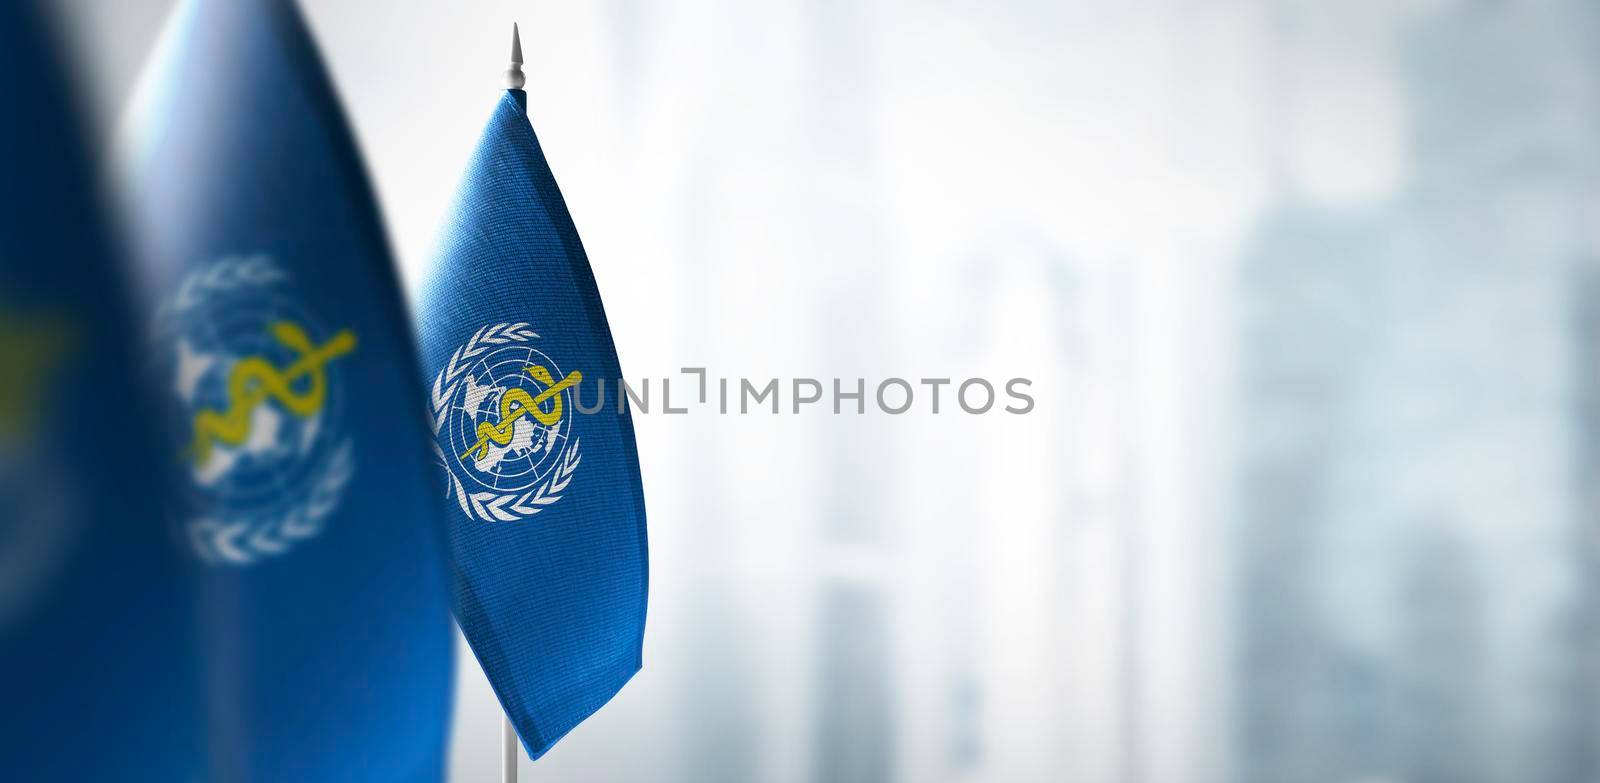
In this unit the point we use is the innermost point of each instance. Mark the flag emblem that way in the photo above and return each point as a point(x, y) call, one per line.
point(257, 379)
point(503, 422)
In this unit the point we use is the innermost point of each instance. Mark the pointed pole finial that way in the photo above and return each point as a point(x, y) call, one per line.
point(514, 78)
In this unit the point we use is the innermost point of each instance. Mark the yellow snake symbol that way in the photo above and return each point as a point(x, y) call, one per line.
point(254, 379)
point(516, 403)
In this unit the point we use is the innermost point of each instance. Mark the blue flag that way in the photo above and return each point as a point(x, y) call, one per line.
point(297, 425)
point(96, 624)
point(546, 522)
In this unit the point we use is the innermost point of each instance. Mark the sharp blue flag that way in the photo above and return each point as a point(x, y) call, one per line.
point(296, 418)
point(546, 523)
point(96, 607)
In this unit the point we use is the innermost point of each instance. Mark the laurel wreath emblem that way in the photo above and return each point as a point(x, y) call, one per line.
point(242, 541)
point(226, 275)
point(485, 505)
point(245, 542)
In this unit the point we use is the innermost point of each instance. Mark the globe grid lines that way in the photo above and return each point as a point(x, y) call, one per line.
point(481, 367)
point(236, 329)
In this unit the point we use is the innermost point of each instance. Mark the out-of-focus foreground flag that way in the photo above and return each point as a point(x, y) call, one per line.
point(546, 521)
point(296, 420)
point(96, 629)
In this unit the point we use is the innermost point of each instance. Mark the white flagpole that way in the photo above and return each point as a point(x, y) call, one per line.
point(509, 744)
point(508, 751)
point(514, 76)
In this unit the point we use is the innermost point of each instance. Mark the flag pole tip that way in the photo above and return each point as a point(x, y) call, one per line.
point(514, 76)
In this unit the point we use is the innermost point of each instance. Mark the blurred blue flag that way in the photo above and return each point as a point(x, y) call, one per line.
point(298, 428)
point(97, 637)
point(547, 522)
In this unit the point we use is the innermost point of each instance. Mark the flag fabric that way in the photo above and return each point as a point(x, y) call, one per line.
point(96, 621)
point(298, 428)
point(546, 523)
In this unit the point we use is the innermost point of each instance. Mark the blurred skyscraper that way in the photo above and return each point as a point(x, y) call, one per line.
point(854, 712)
point(1414, 450)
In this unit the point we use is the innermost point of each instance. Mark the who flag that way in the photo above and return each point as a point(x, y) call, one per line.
point(289, 376)
point(97, 631)
point(546, 519)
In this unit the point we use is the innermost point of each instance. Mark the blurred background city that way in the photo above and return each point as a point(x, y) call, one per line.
point(1309, 293)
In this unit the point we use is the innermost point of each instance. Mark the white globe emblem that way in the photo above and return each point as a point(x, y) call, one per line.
point(503, 421)
point(257, 395)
